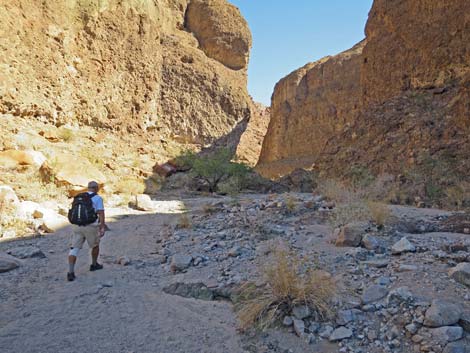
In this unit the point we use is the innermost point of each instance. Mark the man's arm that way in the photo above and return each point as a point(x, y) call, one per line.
point(102, 224)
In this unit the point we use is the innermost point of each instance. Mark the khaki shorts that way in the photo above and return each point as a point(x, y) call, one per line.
point(88, 233)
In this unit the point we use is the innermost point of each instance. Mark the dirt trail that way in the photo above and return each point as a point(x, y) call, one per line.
point(118, 309)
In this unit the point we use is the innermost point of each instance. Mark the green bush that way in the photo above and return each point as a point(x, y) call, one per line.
point(215, 168)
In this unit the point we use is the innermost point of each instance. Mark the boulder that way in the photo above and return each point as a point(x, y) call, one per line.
point(73, 172)
point(144, 203)
point(24, 252)
point(442, 313)
point(457, 347)
point(403, 246)
point(299, 327)
point(222, 32)
point(446, 334)
point(374, 293)
point(8, 263)
point(51, 221)
point(370, 242)
point(180, 262)
point(340, 334)
point(461, 273)
point(351, 234)
point(301, 312)
point(14, 158)
point(8, 199)
point(465, 321)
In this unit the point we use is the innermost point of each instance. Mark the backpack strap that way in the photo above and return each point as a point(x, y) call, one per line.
point(92, 195)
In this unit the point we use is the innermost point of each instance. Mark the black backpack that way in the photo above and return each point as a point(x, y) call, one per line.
point(82, 212)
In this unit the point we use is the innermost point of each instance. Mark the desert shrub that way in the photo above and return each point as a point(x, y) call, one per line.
point(215, 168)
point(129, 185)
point(353, 211)
point(458, 196)
point(360, 177)
point(287, 285)
point(379, 213)
point(184, 222)
point(291, 204)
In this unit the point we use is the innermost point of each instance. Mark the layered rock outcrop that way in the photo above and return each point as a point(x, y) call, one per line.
point(130, 66)
point(402, 100)
point(311, 105)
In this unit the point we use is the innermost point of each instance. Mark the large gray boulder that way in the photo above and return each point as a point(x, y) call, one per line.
point(461, 273)
point(374, 293)
point(403, 246)
point(24, 252)
point(8, 263)
point(351, 234)
point(442, 313)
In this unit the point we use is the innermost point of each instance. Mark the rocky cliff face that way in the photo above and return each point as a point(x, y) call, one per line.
point(311, 105)
point(404, 97)
point(168, 67)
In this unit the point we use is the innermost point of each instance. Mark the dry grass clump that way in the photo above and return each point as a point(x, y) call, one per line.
point(458, 196)
point(184, 222)
point(291, 204)
point(379, 213)
point(208, 209)
point(287, 286)
point(129, 186)
point(354, 211)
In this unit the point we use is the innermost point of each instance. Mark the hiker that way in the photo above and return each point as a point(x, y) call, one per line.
point(86, 209)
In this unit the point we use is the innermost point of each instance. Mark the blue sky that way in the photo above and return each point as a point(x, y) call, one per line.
point(289, 34)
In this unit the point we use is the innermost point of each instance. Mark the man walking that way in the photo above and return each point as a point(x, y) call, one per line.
point(91, 232)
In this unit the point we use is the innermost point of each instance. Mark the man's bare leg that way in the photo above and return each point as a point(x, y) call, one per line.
point(94, 255)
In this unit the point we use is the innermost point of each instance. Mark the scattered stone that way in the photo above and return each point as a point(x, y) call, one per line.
point(383, 281)
point(461, 273)
point(8, 263)
point(446, 333)
point(340, 334)
point(351, 234)
point(400, 295)
point(457, 347)
point(235, 251)
point(299, 327)
point(180, 262)
point(345, 316)
point(326, 331)
point(25, 252)
point(442, 313)
point(190, 290)
point(373, 293)
point(370, 242)
point(287, 321)
point(301, 312)
point(377, 263)
point(407, 268)
point(412, 328)
point(124, 261)
point(403, 246)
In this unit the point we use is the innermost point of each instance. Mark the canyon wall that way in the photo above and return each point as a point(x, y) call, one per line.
point(403, 96)
point(174, 68)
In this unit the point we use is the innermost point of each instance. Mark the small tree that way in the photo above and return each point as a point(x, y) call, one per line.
point(214, 168)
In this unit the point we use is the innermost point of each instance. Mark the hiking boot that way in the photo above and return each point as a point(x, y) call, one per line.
point(70, 276)
point(96, 267)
